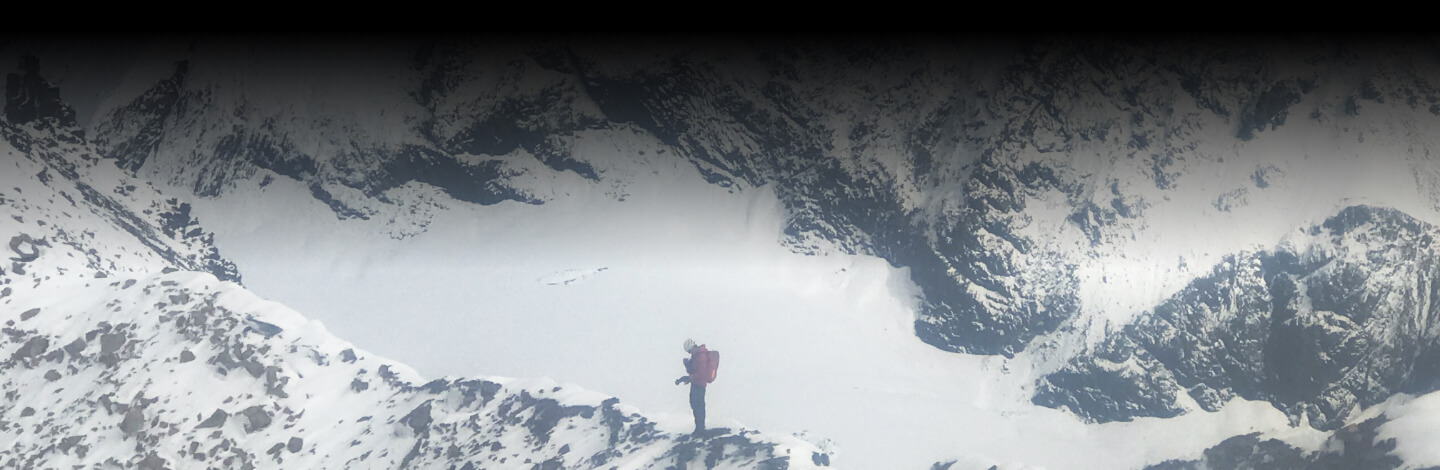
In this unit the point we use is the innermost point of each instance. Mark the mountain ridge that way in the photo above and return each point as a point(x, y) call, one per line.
point(1030, 193)
point(125, 328)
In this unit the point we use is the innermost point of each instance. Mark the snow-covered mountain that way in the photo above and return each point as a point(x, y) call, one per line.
point(1338, 316)
point(949, 159)
point(182, 370)
point(128, 343)
point(1114, 222)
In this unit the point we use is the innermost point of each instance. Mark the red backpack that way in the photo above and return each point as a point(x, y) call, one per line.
point(707, 363)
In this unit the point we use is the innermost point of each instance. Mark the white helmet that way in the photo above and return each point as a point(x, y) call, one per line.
point(689, 344)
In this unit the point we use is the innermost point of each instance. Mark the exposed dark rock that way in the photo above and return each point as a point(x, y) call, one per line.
point(29, 97)
point(32, 348)
point(69, 442)
point(215, 420)
point(134, 420)
point(26, 249)
point(152, 461)
point(28, 314)
point(142, 122)
point(483, 389)
point(547, 414)
point(186, 356)
point(52, 375)
point(266, 329)
point(253, 367)
point(112, 342)
point(256, 418)
point(359, 385)
point(75, 347)
point(295, 444)
point(274, 383)
point(418, 419)
point(181, 298)
point(1272, 106)
point(554, 463)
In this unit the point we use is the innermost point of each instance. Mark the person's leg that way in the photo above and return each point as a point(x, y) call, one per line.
point(697, 405)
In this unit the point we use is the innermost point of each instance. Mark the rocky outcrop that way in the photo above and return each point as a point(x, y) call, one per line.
point(1332, 320)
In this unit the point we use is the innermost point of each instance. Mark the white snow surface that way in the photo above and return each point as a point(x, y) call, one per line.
point(816, 344)
point(1413, 426)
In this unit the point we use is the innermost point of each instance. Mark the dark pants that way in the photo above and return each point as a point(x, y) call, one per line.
point(697, 405)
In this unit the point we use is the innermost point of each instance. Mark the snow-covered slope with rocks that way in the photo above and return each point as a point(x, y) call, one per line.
point(182, 370)
point(1110, 220)
point(128, 343)
point(60, 196)
point(1336, 319)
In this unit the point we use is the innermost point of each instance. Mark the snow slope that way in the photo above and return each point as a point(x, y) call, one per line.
point(184, 371)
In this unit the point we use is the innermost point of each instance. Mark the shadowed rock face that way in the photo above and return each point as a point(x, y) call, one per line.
point(1338, 319)
point(29, 97)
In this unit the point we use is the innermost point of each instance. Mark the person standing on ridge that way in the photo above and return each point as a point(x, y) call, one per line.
point(700, 368)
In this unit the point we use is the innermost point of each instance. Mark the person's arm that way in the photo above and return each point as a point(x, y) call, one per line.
point(688, 370)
